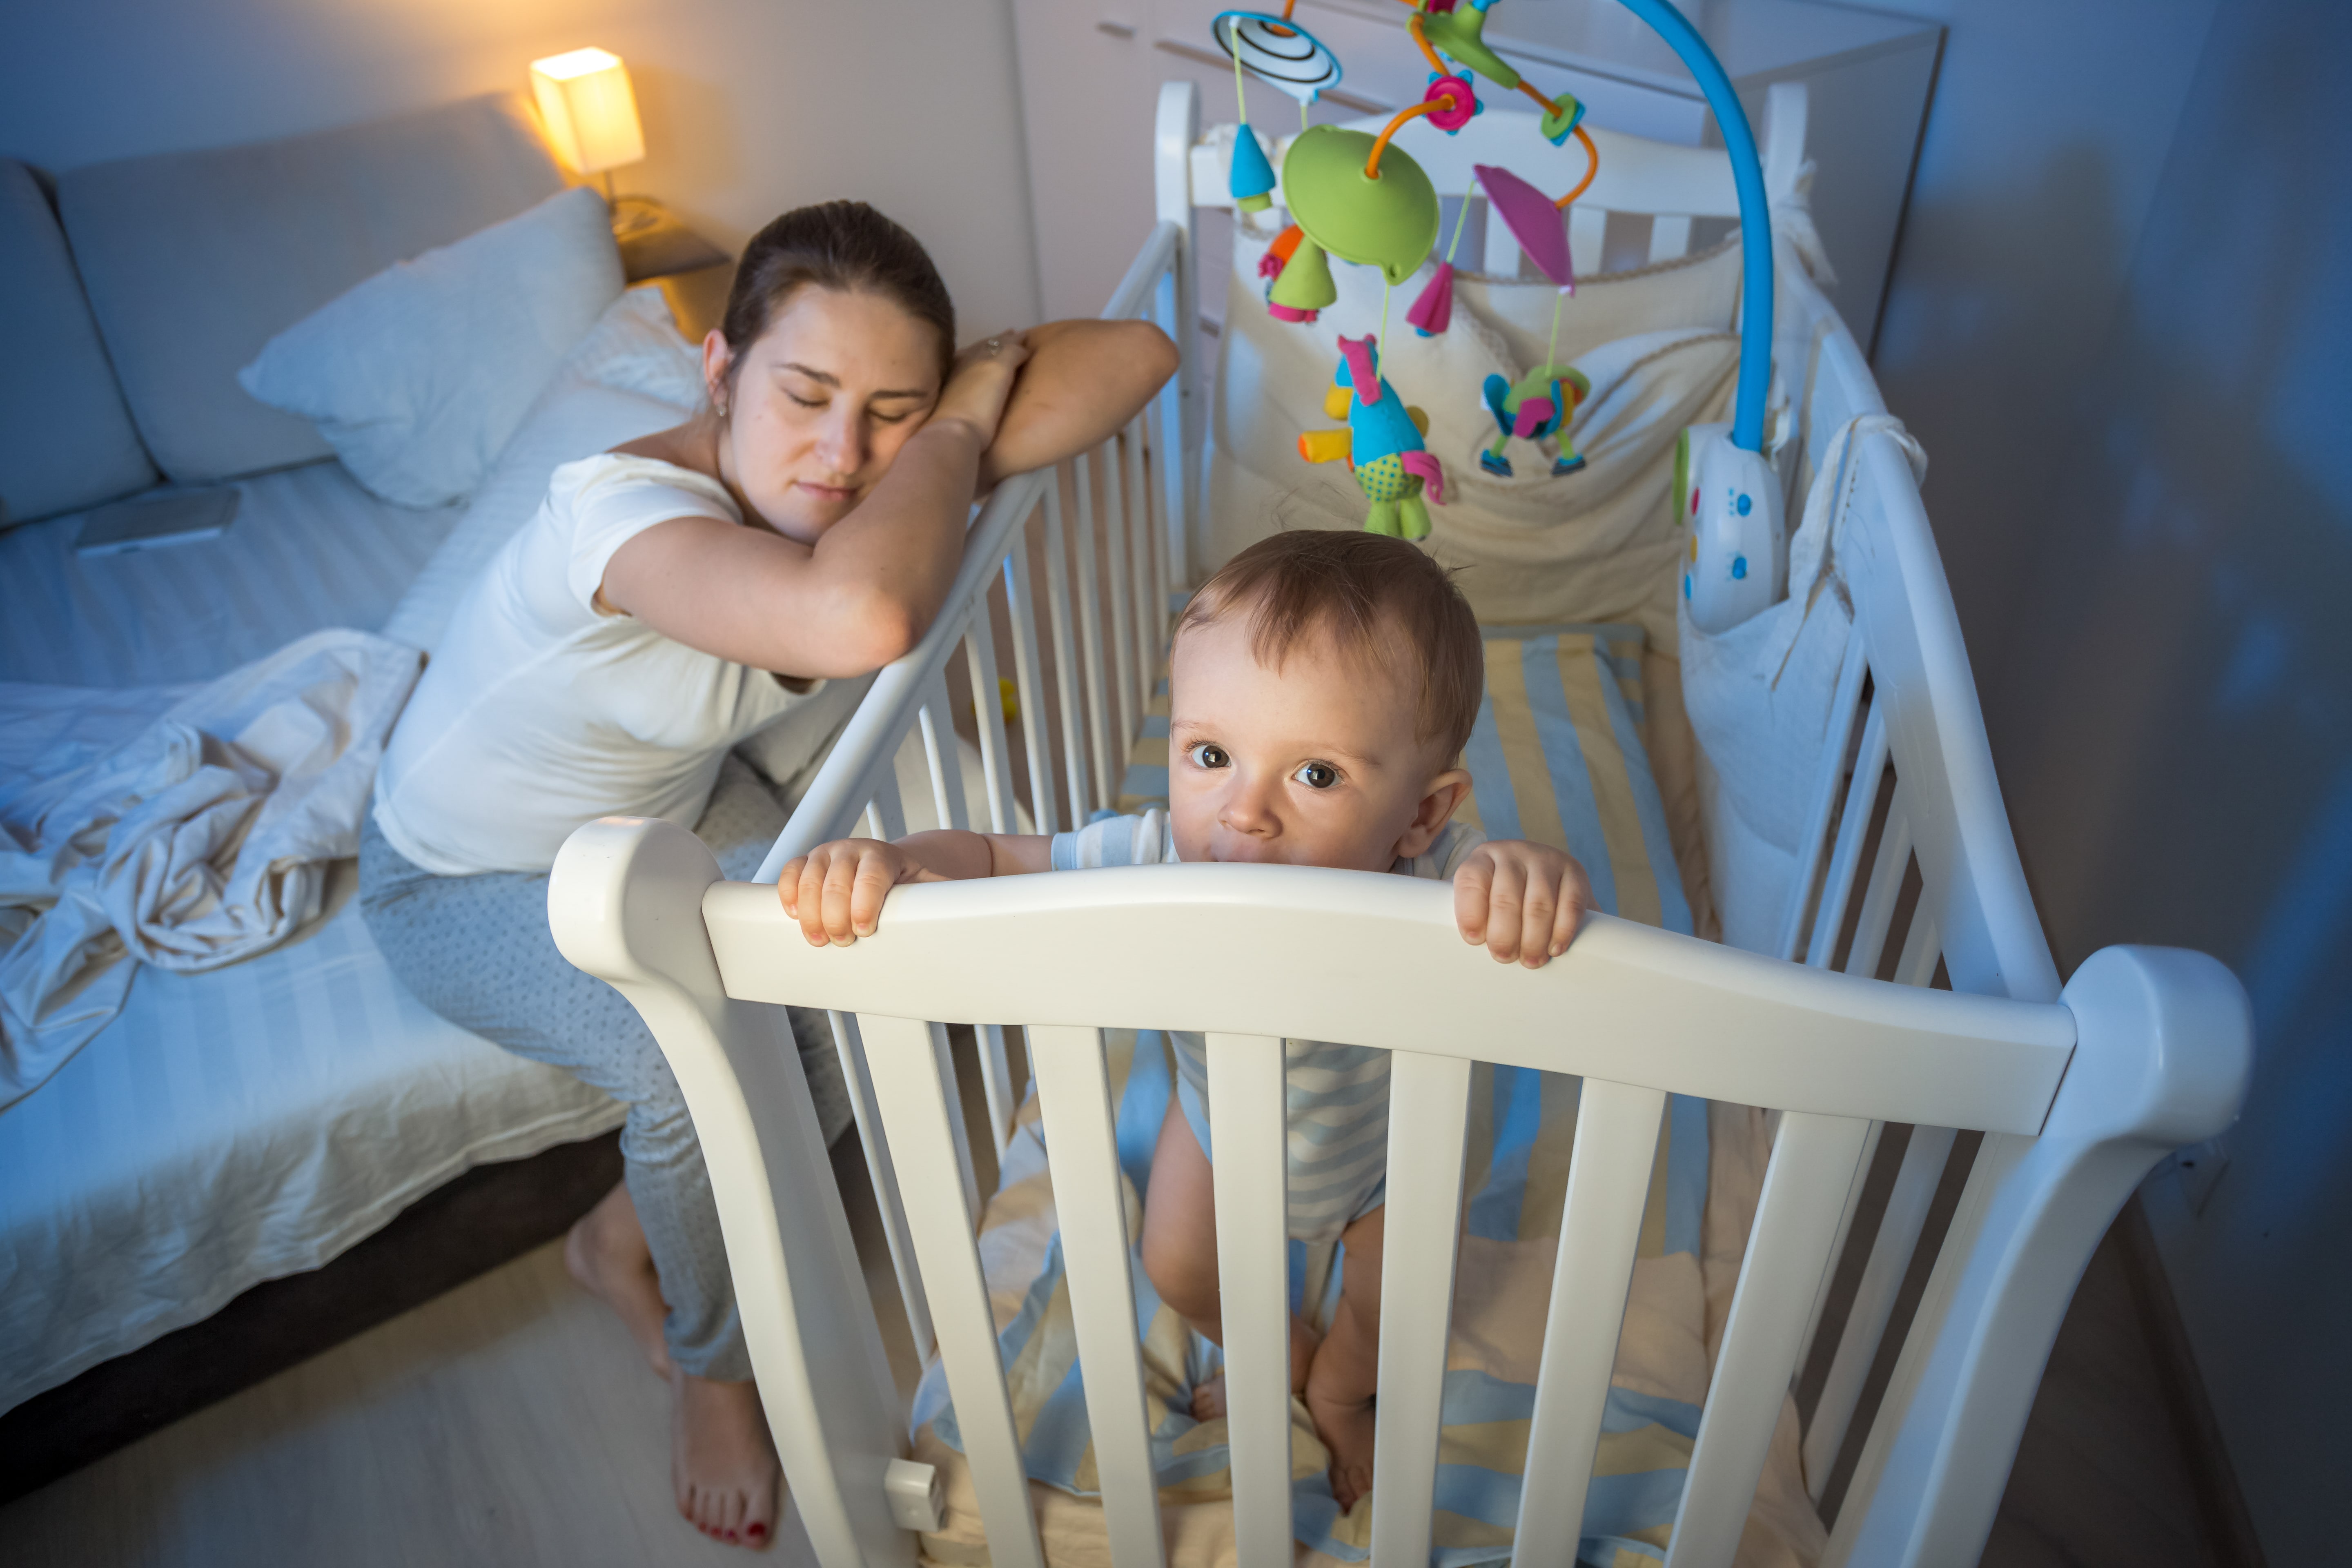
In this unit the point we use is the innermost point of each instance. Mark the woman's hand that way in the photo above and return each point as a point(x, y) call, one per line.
point(980, 383)
point(1523, 901)
point(835, 890)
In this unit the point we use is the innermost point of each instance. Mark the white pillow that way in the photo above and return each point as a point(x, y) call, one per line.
point(630, 376)
point(418, 376)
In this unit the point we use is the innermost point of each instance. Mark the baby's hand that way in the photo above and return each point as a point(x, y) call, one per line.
point(1523, 901)
point(835, 890)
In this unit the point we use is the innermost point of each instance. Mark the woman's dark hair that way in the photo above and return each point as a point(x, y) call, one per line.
point(845, 246)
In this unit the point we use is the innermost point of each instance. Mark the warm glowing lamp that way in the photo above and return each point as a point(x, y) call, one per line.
point(590, 113)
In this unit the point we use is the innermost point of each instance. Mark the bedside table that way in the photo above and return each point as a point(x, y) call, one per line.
point(657, 247)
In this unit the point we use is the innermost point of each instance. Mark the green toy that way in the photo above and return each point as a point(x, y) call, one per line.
point(1537, 406)
point(1382, 445)
point(1359, 199)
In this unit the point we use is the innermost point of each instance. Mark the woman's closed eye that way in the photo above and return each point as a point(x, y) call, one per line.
point(1207, 754)
point(1317, 775)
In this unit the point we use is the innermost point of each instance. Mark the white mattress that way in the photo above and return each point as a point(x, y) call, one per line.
point(233, 1127)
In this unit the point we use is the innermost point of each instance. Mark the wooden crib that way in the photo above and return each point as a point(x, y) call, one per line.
point(2077, 1091)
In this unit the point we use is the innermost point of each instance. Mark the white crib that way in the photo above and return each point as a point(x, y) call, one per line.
point(2077, 1091)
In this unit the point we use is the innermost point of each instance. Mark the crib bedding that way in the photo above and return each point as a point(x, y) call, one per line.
point(1708, 1171)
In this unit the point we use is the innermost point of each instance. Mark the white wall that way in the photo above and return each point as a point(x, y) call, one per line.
point(749, 106)
point(2120, 320)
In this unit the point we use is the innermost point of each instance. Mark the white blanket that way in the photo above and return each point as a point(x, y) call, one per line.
point(187, 826)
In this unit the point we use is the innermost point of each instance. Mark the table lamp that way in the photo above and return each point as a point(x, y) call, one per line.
point(590, 114)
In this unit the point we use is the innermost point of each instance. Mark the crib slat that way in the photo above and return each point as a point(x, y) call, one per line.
point(1824, 796)
point(1029, 685)
point(1861, 796)
point(1588, 232)
point(1923, 949)
point(1429, 1107)
point(1251, 1172)
point(882, 1174)
point(1812, 1161)
point(1074, 1092)
point(1065, 660)
point(941, 752)
point(1669, 237)
point(916, 1102)
point(1149, 616)
point(1600, 1231)
point(889, 812)
point(1122, 612)
point(1847, 1214)
point(988, 712)
point(1090, 634)
point(1873, 1299)
point(1884, 886)
point(869, 823)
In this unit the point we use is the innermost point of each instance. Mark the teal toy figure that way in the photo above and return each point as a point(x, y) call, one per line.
point(1539, 405)
point(1381, 443)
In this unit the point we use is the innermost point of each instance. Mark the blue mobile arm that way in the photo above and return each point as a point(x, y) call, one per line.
point(1755, 216)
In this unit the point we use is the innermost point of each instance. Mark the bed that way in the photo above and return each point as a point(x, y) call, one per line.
point(1827, 807)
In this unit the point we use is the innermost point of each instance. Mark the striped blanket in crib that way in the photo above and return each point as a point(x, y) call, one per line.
point(1522, 1128)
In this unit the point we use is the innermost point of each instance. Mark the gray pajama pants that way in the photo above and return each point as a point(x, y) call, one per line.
point(477, 952)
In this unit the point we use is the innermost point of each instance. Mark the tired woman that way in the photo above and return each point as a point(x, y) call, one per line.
point(674, 598)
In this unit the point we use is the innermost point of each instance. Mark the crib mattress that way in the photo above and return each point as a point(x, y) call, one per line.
point(233, 1127)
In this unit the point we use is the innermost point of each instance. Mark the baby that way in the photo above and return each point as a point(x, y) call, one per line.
point(1322, 686)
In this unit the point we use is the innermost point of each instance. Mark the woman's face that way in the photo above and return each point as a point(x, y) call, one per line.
point(819, 404)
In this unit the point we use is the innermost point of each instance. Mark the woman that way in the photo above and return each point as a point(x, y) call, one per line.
point(673, 597)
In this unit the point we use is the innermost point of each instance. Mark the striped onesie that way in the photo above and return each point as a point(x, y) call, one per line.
point(1338, 1096)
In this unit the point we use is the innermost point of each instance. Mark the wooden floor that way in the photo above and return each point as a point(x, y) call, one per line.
point(511, 1422)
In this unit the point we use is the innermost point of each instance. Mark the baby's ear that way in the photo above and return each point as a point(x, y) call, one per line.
point(1439, 801)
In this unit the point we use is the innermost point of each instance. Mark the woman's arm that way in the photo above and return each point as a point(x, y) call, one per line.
point(1084, 381)
point(865, 592)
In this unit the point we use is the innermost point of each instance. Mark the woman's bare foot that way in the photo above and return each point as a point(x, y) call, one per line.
point(606, 1251)
point(722, 1462)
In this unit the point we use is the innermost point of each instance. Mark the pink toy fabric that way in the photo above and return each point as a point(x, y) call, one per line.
point(1432, 312)
point(1432, 474)
point(1535, 223)
point(1361, 377)
point(1533, 413)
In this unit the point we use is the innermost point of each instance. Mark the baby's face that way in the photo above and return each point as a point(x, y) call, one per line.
point(1315, 764)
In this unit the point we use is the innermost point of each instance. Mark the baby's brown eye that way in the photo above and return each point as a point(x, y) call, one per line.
point(1318, 775)
point(1209, 755)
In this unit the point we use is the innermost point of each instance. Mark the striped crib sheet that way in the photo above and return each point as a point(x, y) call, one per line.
point(1520, 1141)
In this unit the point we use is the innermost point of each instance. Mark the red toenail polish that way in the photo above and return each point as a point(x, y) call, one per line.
point(757, 1530)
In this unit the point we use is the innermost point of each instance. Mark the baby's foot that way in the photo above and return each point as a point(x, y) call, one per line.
point(723, 1464)
point(605, 1252)
point(1209, 1400)
point(1346, 1428)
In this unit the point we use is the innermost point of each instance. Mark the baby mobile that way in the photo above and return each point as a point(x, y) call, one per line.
point(1353, 196)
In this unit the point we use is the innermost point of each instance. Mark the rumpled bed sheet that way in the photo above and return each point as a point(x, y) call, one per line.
point(182, 826)
point(1702, 1200)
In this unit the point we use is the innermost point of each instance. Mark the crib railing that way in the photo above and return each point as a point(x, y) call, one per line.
point(1108, 528)
point(2145, 1048)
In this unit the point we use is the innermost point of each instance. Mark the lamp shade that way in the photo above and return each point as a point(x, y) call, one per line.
point(589, 111)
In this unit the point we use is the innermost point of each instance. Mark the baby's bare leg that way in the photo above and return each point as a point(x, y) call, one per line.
point(1346, 1370)
point(1180, 1251)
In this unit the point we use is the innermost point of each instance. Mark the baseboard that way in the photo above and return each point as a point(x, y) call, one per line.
point(2224, 1506)
point(466, 1227)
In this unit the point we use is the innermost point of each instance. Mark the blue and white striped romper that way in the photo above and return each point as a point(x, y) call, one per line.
point(1338, 1095)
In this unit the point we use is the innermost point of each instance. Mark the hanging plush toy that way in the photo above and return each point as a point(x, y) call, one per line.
point(1381, 443)
point(1539, 405)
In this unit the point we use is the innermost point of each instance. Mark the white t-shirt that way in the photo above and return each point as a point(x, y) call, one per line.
point(540, 713)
